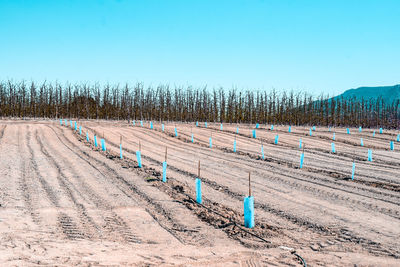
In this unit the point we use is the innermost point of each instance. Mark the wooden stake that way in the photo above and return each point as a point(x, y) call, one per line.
point(140, 146)
point(166, 149)
point(249, 185)
point(120, 139)
point(198, 170)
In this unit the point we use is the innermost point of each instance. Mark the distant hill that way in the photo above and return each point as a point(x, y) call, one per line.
point(388, 93)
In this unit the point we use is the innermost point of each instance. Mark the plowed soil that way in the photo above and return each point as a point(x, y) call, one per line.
point(65, 202)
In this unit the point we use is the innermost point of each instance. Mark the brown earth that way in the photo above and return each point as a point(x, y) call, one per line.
point(66, 203)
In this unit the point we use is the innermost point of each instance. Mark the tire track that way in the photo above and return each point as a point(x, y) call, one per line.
point(49, 192)
point(113, 223)
point(63, 220)
point(155, 210)
point(27, 189)
point(69, 228)
point(67, 224)
point(2, 129)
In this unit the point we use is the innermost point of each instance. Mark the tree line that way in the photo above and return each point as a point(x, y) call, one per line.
point(164, 103)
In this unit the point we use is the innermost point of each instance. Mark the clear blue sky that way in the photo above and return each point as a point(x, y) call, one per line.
point(318, 46)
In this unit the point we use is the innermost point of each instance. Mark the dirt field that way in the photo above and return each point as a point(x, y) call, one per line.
point(66, 203)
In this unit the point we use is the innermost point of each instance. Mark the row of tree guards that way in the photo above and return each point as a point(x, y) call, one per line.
point(333, 149)
point(249, 200)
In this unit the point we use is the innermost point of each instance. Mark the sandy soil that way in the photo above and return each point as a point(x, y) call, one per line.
point(64, 202)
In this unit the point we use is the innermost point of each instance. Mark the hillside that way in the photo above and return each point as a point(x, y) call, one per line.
point(388, 93)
